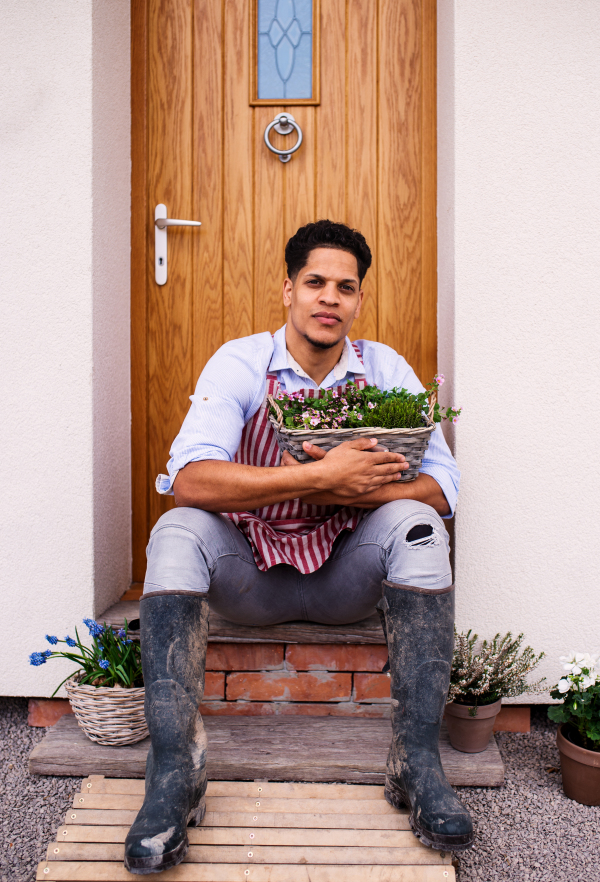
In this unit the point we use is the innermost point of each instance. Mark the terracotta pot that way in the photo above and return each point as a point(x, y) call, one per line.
point(471, 734)
point(580, 770)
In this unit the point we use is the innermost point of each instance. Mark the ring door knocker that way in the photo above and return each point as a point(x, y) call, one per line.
point(285, 124)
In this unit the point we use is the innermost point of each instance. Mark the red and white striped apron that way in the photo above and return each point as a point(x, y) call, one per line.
point(288, 532)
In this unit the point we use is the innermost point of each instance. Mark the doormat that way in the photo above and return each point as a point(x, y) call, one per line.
point(257, 831)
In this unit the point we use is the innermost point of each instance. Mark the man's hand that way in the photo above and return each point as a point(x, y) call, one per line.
point(357, 467)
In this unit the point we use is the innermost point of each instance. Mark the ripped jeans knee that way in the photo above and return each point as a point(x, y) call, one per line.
point(418, 552)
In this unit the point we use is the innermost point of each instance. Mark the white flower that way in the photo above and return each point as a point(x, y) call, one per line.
point(563, 685)
point(586, 682)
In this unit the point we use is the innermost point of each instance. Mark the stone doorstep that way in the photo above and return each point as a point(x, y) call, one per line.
point(47, 711)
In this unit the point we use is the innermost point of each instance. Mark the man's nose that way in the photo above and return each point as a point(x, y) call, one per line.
point(330, 293)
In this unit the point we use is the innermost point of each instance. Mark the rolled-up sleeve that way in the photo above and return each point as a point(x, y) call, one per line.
point(229, 392)
point(388, 370)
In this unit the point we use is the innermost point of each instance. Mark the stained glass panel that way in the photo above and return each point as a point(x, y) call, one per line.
point(285, 49)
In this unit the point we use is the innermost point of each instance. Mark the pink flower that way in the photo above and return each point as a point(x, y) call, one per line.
point(358, 416)
point(439, 379)
point(372, 405)
point(315, 420)
point(454, 420)
point(334, 395)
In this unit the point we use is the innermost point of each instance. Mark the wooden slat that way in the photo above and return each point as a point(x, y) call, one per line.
point(141, 221)
point(170, 180)
point(268, 224)
point(327, 836)
point(331, 115)
point(242, 804)
point(251, 855)
point(299, 175)
point(361, 146)
point(429, 191)
point(115, 872)
point(277, 748)
point(221, 631)
point(100, 784)
point(207, 132)
point(399, 239)
point(126, 817)
point(238, 149)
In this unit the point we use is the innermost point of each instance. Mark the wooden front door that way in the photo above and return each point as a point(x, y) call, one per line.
point(367, 159)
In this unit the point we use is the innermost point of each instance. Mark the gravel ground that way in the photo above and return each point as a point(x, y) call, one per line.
point(527, 831)
point(31, 808)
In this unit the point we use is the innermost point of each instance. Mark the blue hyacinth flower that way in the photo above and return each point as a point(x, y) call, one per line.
point(37, 658)
point(122, 633)
point(47, 653)
point(69, 641)
point(104, 664)
point(93, 627)
point(52, 640)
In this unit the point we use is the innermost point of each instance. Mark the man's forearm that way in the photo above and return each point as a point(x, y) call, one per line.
point(424, 489)
point(214, 485)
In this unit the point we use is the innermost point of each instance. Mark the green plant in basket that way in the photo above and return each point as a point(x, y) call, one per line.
point(496, 669)
point(370, 407)
point(114, 659)
point(580, 693)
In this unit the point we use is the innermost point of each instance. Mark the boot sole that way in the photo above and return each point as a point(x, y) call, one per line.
point(157, 863)
point(397, 798)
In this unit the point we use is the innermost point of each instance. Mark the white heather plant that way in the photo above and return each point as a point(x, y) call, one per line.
point(580, 692)
point(495, 669)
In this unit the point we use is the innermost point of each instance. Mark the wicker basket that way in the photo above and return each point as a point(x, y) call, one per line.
point(411, 443)
point(107, 714)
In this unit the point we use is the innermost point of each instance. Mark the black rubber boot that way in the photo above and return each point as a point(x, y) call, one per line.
point(419, 629)
point(173, 632)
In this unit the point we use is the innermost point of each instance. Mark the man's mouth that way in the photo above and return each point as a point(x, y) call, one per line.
point(327, 318)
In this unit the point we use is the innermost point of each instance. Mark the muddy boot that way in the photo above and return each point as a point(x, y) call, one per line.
point(174, 631)
point(419, 629)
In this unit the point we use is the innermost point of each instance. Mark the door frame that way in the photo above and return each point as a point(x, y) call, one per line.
point(142, 237)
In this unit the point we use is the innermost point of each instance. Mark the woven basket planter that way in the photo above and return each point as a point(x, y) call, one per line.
point(108, 715)
point(411, 443)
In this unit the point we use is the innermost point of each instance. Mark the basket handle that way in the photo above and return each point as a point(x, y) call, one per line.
point(277, 410)
point(432, 402)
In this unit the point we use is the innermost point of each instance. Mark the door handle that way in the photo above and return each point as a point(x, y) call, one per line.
point(161, 222)
point(285, 124)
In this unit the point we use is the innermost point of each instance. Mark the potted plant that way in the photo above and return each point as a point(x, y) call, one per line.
point(399, 419)
point(107, 694)
point(481, 677)
point(578, 736)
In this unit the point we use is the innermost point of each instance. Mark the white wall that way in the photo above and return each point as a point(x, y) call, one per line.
point(64, 358)
point(519, 221)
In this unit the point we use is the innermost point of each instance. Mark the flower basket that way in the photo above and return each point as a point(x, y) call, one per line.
point(411, 443)
point(108, 714)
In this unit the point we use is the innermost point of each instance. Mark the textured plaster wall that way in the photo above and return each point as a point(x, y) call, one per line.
point(519, 214)
point(64, 358)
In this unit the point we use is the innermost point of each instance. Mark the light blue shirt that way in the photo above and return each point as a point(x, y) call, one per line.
point(233, 384)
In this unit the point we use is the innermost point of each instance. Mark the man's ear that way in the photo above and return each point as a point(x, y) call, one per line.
point(361, 295)
point(287, 292)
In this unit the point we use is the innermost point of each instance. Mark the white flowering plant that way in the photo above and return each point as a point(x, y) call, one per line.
point(579, 689)
point(371, 407)
point(496, 669)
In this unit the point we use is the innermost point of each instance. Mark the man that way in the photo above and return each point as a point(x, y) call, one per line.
point(325, 541)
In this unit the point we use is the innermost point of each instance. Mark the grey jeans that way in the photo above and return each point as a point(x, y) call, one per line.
point(194, 550)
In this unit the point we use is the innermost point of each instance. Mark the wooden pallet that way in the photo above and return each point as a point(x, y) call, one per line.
point(253, 832)
point(276, 748)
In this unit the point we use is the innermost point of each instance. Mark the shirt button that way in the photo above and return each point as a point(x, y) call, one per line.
point(205, 399)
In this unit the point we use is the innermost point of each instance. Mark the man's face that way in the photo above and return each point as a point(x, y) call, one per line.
point(325, 298)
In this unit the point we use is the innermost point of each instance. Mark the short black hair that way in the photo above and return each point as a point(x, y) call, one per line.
point(326, 234)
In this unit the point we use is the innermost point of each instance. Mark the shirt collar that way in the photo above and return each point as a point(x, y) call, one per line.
point(281, 359)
